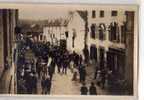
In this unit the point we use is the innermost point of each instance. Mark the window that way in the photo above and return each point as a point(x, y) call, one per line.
point(53, 35)
point(123, 35)
point(114, 32)
point(101, 13)
point(114, 13)
point(41, 36)
point(93, 14)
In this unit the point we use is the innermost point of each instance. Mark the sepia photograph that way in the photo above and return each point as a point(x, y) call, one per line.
point(68, 49)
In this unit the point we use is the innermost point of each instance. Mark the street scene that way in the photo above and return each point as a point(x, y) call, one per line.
point(67, 51)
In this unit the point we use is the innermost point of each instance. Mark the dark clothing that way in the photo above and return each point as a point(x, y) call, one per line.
point(103, 78)
point(51, 71)
point(34, 82)
point(43, 85)
point(84, 90)
point(82, 75)
point(92, 90)
point(47, 86)
point(80, 60)
point(86, 54)
point(29, 85)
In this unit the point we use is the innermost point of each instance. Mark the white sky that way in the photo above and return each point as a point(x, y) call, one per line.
point(46, 11)
point(37, 12)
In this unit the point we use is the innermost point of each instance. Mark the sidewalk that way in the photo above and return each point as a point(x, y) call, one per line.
point(90, 78)
point(107, 90)
point(63, 85)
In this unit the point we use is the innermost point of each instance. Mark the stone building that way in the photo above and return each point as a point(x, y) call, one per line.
point(111, 42)
point(69, 32)
point(54, 33)
point(76, 31)
point(8, 22)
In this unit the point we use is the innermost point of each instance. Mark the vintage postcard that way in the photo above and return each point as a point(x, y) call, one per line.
point(64, 49)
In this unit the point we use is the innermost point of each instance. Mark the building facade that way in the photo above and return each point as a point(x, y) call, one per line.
point(70, 32)
point(109, 41)
point(76, 31)
point(54, 33)
point(8, 22)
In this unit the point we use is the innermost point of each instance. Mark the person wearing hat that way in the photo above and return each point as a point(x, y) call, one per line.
point(92, 89)
point(84, 89)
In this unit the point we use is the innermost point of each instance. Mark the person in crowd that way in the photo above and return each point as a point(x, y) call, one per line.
point(21, 86)
point(82, 72)
point(103, 79)
point(110, 78)
point(75, 75)
point(86, 54)
point(96, 72)
point(98, 77)
point(65, 63)
point(73, 58)
point(43, 84)
point(80, 59)
point(33, 67)
point(53, 64)
point(38, 68)
point(47, 85)
point(34, 82)
point(77, 60)
point(84, 89)
point(45, 69)
point(64, 70)
point(92, 89)
point(59, 64)
point(29, 83)
point(51, 72)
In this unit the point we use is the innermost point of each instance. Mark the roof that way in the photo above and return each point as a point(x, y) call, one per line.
point(57, 22)
point(83, 14)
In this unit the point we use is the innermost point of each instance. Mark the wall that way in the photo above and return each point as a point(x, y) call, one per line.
point(7, 26)
point(56, 31)
point(1, 44)
point(107, 19)
point(78, 24)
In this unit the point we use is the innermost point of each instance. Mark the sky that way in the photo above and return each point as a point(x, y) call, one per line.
point(48, 11)
point(39, 13)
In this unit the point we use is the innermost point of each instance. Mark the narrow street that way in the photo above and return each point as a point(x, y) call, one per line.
point(67, 51)
point(63, 84)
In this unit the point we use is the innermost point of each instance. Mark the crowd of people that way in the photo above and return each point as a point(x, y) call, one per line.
point(42, 64)
point(44, 61)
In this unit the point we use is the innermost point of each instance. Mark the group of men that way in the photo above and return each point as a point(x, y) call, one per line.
point(42, 65)
point(47, 58)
